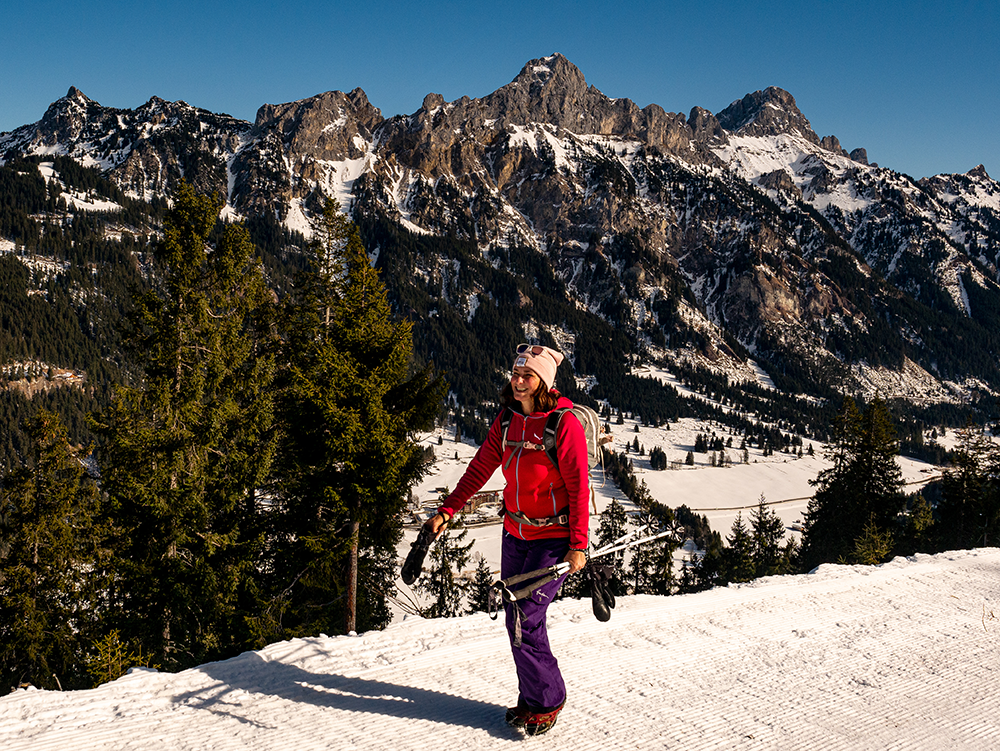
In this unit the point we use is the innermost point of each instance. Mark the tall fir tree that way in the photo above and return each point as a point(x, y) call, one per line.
point(612, 527)
point(350, 402)
point(481, 586)
point(186, 449)
point(51, 564)
point(738, 563)
point(708, 570)
point(969, 509)
point(861, 493)
point(650, 567)
point(449, 557)
point(767, 533)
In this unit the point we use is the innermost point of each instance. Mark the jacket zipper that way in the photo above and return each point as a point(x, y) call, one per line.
point(517, 476)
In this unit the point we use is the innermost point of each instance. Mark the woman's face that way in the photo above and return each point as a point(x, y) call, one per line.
point(525, 383)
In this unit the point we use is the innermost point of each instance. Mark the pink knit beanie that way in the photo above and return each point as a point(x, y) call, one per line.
point(541, 360)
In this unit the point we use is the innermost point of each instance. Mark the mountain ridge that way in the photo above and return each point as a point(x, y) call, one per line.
point(707, 238)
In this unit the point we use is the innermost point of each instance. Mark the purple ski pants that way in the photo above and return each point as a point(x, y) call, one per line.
point(539, 681)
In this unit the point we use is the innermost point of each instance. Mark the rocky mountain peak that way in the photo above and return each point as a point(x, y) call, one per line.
point(614, 196)
point(74, 101)
point(705, 126)
point(75, 95)
point(554, 91)
point(860, 155)
point(555, 71)
point(323, 126)
point(65, 118)
point(547, 90)
point(770, 112)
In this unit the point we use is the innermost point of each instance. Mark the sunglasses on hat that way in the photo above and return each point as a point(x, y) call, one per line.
point(534, 349)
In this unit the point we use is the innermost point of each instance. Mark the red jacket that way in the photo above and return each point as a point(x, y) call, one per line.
point(534, 486)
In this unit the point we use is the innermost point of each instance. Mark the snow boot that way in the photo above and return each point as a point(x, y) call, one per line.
point(537, 723)
point(516, 716)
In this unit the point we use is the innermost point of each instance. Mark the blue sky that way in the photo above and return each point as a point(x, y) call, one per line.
point(915, 83)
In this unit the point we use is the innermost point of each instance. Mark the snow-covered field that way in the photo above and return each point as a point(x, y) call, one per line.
point(900, 656)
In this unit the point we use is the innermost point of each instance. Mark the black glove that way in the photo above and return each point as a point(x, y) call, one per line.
point(414, 562)
point(600, 589)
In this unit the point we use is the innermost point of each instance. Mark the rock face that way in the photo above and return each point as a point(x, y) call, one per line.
point(769, 112)
point(737, 230)
point(289, 143)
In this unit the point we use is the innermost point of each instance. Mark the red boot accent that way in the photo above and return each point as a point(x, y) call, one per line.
point(537, 723)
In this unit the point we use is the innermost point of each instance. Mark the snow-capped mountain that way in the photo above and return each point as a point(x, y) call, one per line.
point(709, 238)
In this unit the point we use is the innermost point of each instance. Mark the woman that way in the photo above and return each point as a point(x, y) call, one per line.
point(546, 520)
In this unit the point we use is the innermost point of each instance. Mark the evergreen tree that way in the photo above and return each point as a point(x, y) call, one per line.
point(658, 458)
point(449, 556)
point(650, 566)
point(872, 547)
point(188, 447)
point(969, 510)
point(917, 534)
point(738, 563)
point(863, 486)
point(767, 532)
point(350, 401)
point(481, 586)
point(614, 524)
point(50, 564)
point(709, 569)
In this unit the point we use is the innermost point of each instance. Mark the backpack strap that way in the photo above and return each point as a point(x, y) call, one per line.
point(549, 436)
point(505, 420)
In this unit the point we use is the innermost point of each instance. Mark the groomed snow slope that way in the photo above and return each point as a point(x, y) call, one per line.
point(900, 656)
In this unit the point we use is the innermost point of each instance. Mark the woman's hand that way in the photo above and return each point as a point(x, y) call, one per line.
point(437, 522)
point(576, 559)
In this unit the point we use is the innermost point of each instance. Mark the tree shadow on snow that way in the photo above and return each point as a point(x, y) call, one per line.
point(252, 674)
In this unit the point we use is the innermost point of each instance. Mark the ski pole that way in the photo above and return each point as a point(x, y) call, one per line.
point(623, 538)
point(616, 548)
point(543, 576)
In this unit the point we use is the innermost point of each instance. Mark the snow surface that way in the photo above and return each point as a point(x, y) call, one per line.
point(751, 157)
point(899, 656)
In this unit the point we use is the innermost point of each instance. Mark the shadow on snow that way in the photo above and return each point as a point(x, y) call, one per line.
point(253, 674)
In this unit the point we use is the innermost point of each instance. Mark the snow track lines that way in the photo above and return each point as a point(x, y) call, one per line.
point(903, 656)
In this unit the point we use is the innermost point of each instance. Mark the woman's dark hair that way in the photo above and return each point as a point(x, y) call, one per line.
point(545, 400)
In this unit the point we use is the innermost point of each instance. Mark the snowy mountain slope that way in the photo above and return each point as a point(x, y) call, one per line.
point(898, 656)
point(941, 225)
